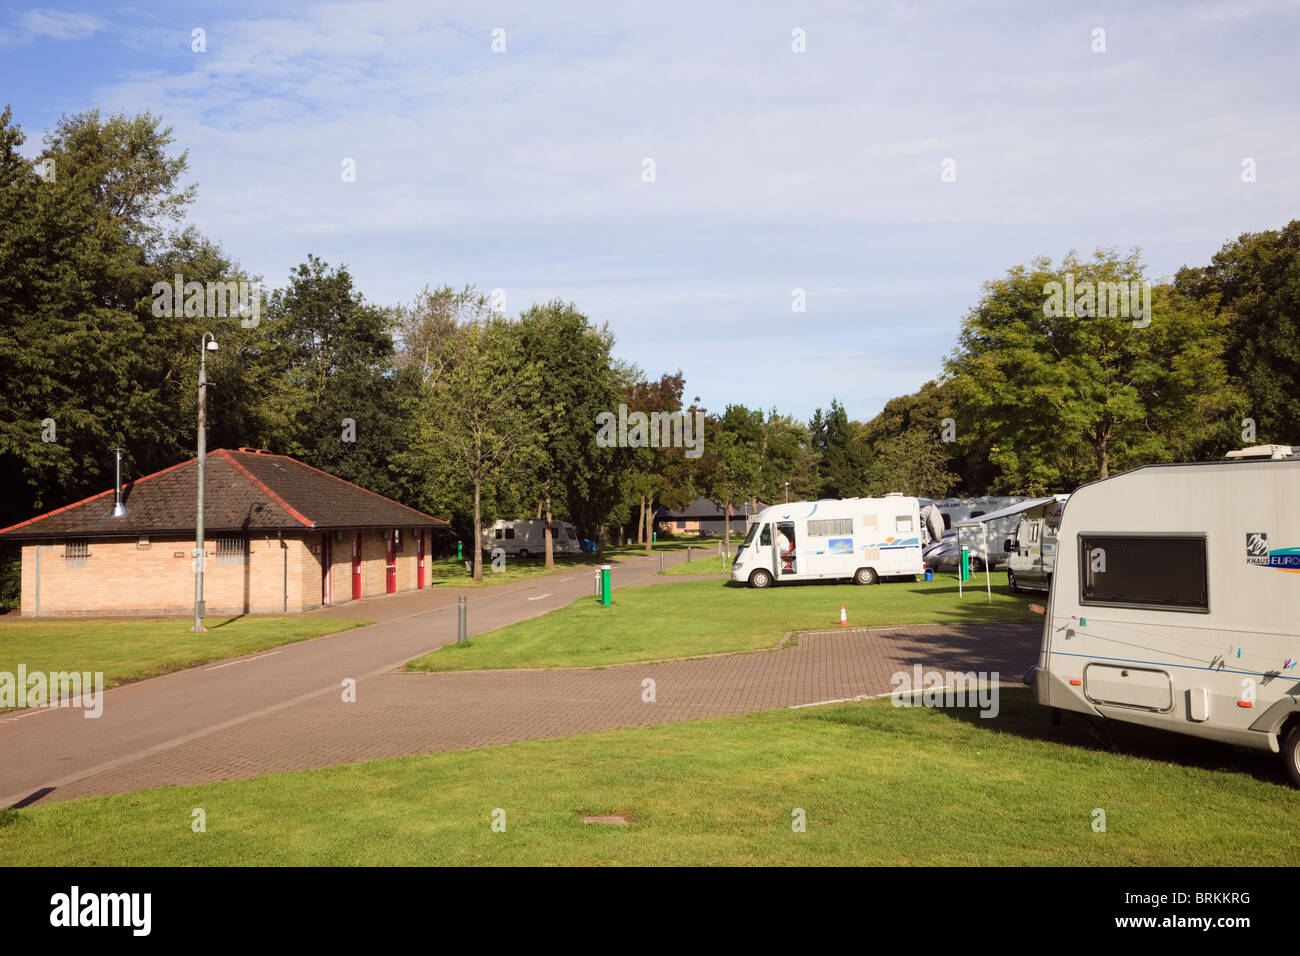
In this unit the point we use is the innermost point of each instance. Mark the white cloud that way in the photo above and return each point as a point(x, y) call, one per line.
point(774, 169)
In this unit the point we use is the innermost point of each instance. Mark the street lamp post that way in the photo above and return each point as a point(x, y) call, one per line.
point(787, 492)
point(208, 343)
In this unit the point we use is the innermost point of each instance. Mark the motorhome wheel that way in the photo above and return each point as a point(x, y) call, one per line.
point(1291, 754)
point(1011, 583)
point(866, 576)
point(760, 579)
point(523, 552)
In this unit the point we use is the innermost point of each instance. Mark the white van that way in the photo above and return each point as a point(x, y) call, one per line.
point(858, 539)
point(1176, 602)
point(528, 537)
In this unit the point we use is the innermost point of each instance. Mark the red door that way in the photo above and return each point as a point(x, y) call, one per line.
point(356, 567)
point(325, 541)
point(390, 578)
point(419, 566)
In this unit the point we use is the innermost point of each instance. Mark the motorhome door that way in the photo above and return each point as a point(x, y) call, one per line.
point(785, 548)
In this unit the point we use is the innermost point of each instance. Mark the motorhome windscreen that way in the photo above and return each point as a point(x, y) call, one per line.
point(749, 537)
point(1162, 572)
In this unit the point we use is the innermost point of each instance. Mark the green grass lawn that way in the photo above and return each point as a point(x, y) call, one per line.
point(702, 564)
point(681, 619)
point(127, 650)
point(449, 571)
point(878, 785)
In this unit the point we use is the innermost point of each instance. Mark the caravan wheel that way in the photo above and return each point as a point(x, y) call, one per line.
point(866, 576)
point(1291, 753)
point(523, 552)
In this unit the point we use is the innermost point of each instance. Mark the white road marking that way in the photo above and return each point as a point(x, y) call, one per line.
point(218, 667)
point(540, 596)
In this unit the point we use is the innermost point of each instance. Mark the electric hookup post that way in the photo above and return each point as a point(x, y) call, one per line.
point(461, 616)
point(459, 556)
point(965, 564)
point(606, 584)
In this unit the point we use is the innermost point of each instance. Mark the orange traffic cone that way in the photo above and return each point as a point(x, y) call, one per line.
point(844, 616)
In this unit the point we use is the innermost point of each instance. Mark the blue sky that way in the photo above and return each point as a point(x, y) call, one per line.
point(774, 170)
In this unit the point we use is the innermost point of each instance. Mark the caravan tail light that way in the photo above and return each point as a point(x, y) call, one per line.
point(1075, 682)
point(1245, 703)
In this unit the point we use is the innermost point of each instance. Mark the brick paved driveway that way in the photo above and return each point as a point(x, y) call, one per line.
point(282, 710)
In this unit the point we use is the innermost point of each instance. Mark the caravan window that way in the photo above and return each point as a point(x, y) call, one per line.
point(826, 527)
point(1162, 572)
point(510, 532)
point(498, 534)
point(947, 522)
point(903, 523)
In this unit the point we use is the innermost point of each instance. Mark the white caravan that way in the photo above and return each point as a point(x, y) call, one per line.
point(1177, 602)
point(946, 554)
point(858, 539)
point(528, 537)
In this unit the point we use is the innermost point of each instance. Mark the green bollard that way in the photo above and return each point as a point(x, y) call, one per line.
point(965, 564)
point(606, 585)
point(459, 556)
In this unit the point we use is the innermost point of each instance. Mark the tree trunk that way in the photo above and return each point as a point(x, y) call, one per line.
point(640, 523)
point(1103, 459)
point(550, 536)
point(539, 509)
point(726, 528)
point(650, 523)
point(478, 535)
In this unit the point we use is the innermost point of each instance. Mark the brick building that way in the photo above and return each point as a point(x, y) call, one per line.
point(279, 536)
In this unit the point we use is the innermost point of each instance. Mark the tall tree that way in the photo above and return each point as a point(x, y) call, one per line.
point(335, 355)
point(1060, 399)
point(85, 363)
point(1254, 283)
point(481, 416)
point(578, 382)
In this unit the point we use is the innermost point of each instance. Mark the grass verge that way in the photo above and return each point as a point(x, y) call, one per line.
point(128, 650)
point(877, 784)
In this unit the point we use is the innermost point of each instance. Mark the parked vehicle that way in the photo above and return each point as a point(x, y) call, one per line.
point(946, 554)
point(1177, 602)
point(527, 537)
point(858, 539)
point(1031, 552)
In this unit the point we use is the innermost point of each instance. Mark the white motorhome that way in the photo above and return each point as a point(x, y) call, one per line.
point(858, 539)
point(527, 537)
point(1031, 550)
point(985, 553)
point(1176, 602)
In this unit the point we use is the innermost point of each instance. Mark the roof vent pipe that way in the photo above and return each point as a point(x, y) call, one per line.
point(119, 510)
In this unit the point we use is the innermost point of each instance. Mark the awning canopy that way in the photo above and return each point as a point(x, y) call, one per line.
point(1009, 512)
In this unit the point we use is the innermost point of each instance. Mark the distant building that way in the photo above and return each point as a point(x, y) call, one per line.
point(279, 536)
point(702, 516)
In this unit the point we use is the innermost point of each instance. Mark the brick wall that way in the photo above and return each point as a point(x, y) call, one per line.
point(119, 577)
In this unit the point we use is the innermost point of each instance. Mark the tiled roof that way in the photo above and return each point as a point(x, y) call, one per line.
point(244, 490)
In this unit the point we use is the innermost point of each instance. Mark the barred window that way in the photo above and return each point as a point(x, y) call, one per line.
point(232, 550)
point(825, 527)
point(76, 552)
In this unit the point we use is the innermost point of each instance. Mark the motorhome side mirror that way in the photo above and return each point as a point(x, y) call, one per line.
point(1009, 544)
